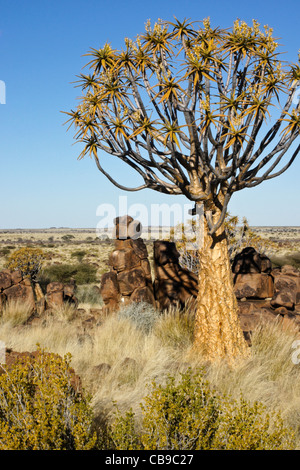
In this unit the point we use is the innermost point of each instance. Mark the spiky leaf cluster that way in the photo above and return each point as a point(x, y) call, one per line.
point(188, 107)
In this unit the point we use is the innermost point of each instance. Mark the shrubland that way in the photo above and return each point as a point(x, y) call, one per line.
point(144, 387)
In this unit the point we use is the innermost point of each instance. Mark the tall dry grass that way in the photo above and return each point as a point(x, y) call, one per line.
point(118, 359)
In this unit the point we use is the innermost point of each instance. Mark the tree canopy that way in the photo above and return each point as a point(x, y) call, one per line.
point(189, 107)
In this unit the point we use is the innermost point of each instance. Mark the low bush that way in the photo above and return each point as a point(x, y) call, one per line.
point(190, 415)
point(79, 254)
point(89, 294)
point(28, 260)
point(40, 408)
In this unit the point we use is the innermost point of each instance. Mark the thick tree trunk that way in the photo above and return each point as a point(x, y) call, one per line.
point(218, 333)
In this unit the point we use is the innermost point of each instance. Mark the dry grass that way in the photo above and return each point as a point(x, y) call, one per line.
point(131, 358)
point(118, 360)
point(270, 375)
point(16, 313)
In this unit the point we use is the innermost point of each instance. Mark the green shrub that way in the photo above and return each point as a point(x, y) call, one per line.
point(79, 254)
point(5, 251)
point(81, 273)
point(41, 410)
point(190, 415)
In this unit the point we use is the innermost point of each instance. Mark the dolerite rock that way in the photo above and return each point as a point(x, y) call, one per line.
point(120, 260)
point(286, 287)
point(126, 228)
point(15, 288)
point(253, 286)
point(173, 284)
point(129, 279)
point(5, 280)
point(249, 261)
point(109, 290)
point(165, 252)
point(59, 293)
point(55, 294)
point(21, 293)
point(143, 294)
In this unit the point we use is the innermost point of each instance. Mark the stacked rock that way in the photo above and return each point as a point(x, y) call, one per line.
point(15, 287)
point(173, 284)
point(252, 275)
point(129, 278)
point(59, 293)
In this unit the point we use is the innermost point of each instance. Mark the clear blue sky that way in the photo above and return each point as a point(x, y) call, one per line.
point(41, 47)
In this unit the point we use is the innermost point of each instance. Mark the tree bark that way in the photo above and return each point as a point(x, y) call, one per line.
point(218, 333)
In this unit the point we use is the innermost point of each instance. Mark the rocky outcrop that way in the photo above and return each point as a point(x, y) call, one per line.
point(129, 278)
point(14, 288)
point(264, 292)
point(173, 285)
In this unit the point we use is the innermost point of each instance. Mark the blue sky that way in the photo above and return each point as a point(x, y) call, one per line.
point(42, 44)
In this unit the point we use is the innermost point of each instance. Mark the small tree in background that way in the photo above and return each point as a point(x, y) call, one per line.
point(28, 260)
point(239, 236)
point(188, 108)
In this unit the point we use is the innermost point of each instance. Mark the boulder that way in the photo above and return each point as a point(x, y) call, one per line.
point(5, 280)
point(143, 294)
point(249, 261)
point(16, 277)
point(165, 252)
point(54, 287)
point(126, 227)
point(21, 293)
point(129, 280)
point(253, 286)
point(286, 290)
point(120, 260)
point(173, 284)
point(58, 293)
point(140, 248)
point(109, 287)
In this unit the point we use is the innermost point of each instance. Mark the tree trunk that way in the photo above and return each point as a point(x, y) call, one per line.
point(218, 333)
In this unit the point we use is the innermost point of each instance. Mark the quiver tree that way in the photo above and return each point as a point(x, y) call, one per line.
point(189, 109)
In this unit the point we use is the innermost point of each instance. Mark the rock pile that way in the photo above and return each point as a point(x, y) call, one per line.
point(11, 358)
point(264, 292)
point(129, 278)
point(58, 293)
point(14, 287)
point(173, 285)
